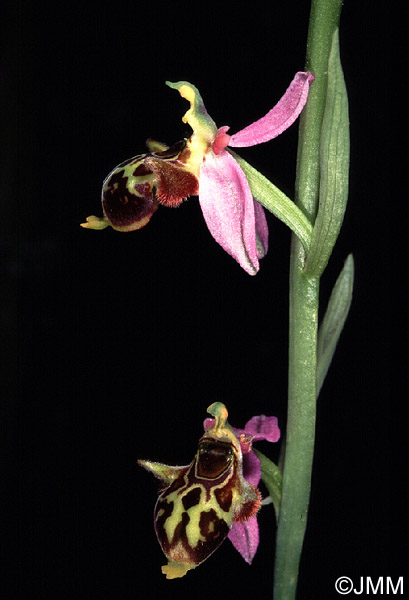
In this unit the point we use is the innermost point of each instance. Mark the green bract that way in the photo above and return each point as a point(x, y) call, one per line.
point(334, 167)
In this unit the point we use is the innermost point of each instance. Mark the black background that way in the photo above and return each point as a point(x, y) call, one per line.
point(116, 343)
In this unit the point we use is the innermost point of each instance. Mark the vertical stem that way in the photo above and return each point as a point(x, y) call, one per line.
point(304, 294)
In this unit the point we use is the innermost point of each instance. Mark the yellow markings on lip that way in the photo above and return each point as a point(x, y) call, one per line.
point(192, 528)
point(193, 533)
point(173, 520)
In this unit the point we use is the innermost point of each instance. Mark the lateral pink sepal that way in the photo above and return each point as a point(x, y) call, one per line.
point(228, 208)
point(245, 538)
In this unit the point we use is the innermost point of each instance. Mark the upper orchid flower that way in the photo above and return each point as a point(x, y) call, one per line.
point(213, 497)
point(201, 166)
point(244, 535)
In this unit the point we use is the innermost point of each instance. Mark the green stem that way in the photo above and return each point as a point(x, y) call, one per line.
point(304, 295)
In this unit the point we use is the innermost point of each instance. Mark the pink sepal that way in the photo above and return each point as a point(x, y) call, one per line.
point(279, 118)
point(251, 468)
point(261, 230)
point(245, 538)
point(228, 208)
point(263, 428)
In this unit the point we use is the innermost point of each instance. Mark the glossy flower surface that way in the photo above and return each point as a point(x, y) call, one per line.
point(201, 165)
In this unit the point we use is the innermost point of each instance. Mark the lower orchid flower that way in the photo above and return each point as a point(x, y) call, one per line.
point(214, 497)
point(201, 165)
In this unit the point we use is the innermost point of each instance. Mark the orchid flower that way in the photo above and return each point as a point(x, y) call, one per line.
point(245, 535)
point(213, 497)
point(201, 165)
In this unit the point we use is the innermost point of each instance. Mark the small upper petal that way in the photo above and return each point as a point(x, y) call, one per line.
point(228, 208)
point(279, 118)
point(208, 423)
